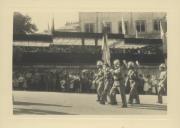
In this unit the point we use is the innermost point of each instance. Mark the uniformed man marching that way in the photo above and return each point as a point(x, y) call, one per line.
point(118, 85)
point(162, 85)
point(99, 80)
point(108, 82)
point(132, 81)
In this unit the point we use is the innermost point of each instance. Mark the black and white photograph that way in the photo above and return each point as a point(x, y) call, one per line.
point(89, 63)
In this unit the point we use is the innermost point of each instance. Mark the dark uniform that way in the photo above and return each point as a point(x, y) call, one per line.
point(108, 82)
point(100, 83)
point(118, 85)
point(99, 80)
point(132, 80)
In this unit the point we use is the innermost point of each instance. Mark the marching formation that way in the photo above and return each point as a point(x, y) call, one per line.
point(109, 81)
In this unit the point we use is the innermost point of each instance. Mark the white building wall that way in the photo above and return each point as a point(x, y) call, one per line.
point(115, 17)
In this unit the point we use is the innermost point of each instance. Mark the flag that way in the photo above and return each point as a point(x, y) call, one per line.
point(123, 26)
point(164, 39)
point(161, 31)
point(105, 50)
point(136, 33)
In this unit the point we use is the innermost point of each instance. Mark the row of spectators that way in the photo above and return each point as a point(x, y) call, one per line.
point(50, 80)
point(71, 81)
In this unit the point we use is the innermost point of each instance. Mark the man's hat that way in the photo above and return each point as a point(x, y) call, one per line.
point(131, 64)
point(116, 62)
point(99, 63)
point(162, 66)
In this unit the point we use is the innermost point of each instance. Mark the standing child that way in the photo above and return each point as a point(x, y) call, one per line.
point(147, 85)
point(154, 83)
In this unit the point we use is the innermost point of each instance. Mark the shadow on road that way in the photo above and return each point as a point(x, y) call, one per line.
point(22, 111)
point(149, 106)
point(39, 104)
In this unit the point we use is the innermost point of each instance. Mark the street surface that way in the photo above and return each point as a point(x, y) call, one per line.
point(58, 103)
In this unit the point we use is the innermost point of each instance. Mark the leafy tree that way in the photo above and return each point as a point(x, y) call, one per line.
point(22, 24)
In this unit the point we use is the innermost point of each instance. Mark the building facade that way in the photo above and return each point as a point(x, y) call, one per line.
point(141, 24)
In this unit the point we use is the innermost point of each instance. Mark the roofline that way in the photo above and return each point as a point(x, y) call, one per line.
point(86, 35)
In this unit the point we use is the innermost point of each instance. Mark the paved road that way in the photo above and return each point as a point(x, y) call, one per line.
point(55, 103)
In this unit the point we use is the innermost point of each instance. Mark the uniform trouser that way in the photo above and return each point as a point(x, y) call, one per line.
point(106, 91)
point(160, 94)
point(133, 94)
point(121, 90)
point(100, 89)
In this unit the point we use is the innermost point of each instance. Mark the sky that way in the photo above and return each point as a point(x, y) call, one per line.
point(42, 19)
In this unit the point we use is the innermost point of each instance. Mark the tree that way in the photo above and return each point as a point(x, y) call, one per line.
point(22, 24)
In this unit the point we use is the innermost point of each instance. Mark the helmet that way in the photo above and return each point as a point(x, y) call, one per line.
point(99, 63)
point(131, 64)
point(162, 66)
point(116, 62)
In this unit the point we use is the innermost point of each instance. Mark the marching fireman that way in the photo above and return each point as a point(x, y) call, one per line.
point(118, 85)
point(99, 80)
point(132, 81)
point(108, 81)
point(162, 85)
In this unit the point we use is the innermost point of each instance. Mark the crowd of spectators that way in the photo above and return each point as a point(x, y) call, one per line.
point(53, 80)
point(79, 81)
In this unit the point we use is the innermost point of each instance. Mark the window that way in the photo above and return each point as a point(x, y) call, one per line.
point(107, 26)
point(140, 26)
point(89, 27)
point(120, 27)
point(156, 25)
